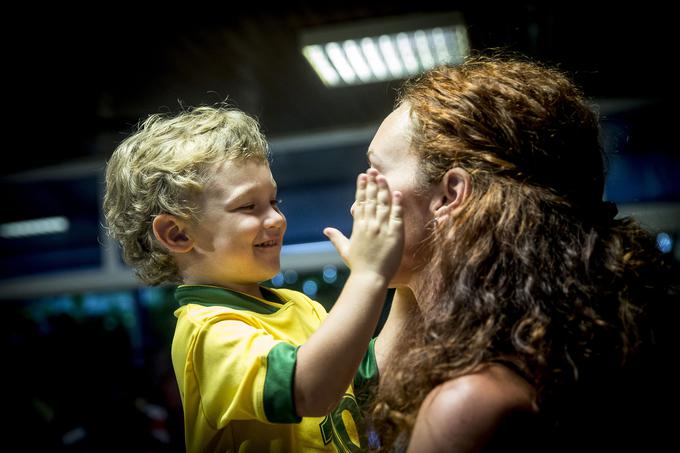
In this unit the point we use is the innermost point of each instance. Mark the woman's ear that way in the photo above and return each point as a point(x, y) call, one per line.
point(171, 232)
point(454, 189)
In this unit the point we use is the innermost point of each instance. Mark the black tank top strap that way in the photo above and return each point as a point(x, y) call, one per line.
point(514, 367)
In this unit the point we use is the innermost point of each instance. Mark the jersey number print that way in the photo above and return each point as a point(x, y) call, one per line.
point(342, 426)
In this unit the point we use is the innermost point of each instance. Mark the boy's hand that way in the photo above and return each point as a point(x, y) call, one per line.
point(377, 240)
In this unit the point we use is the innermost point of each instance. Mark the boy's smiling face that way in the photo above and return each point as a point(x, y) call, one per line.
point(237, 241)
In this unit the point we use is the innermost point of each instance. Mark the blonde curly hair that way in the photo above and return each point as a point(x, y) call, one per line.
point(161, 168)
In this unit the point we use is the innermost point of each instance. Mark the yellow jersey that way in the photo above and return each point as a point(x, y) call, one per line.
point(234, 358)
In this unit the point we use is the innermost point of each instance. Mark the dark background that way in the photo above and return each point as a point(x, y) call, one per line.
point(75, 73)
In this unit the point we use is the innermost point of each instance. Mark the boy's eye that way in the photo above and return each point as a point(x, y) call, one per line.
point(248, 207)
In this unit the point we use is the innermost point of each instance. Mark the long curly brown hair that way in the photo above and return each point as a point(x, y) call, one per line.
point(535, 269)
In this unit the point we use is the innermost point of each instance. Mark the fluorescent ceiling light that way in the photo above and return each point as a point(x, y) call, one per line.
point(394, 48)
point(390, 54)
point(35, 227)
point(323, 67)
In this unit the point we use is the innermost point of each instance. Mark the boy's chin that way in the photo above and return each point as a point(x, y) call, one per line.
point(270, 275)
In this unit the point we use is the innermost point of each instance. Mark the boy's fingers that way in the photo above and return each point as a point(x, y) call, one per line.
point(360, 197)
point(396, 213)
point(339, 241)
point(384, 202)
point(371, 193)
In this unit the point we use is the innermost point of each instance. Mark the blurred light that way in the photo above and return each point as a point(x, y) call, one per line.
point(310, 256)
point(330, 273)
point(390, 53)
point(95, 305)
point(406, 53)
point(74, 436)
point(423, 46)
point(374, 58)
point(34, 227)
point(310, 288)
point(306, 248)
point(290, 276)
point(278, 280)
point(317, 58)
point(152, 296)
point(356, 59)
point(339, 60)
point(387, 49)
point(63, 304)
point(440, 48)
point(664, 242)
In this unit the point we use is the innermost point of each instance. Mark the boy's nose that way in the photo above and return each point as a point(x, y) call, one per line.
point(351, 209)
point(274, 220)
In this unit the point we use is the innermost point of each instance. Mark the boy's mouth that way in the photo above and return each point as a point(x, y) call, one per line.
point(265, 244)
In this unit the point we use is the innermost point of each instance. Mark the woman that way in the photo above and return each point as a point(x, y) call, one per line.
point(535, 306)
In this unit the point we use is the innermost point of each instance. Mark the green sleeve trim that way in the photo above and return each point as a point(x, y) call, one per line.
point(279, 403)
point(368, 368)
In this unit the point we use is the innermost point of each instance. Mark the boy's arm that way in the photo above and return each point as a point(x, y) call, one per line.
point(328, 361)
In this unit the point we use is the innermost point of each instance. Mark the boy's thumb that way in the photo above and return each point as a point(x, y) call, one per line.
point(339, 241)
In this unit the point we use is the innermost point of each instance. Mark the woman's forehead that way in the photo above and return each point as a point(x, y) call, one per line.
point(393, 136)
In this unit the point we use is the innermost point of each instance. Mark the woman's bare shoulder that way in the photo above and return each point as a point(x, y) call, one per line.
point(464, 413)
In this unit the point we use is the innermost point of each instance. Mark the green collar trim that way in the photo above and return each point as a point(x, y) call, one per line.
point(217, 296)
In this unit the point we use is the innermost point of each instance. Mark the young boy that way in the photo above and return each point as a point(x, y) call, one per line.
point(192, 200)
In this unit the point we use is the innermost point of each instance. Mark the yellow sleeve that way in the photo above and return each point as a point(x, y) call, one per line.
point(243, 373)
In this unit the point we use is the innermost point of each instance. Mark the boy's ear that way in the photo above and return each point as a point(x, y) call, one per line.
point(454, 189)
point(171, 232)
